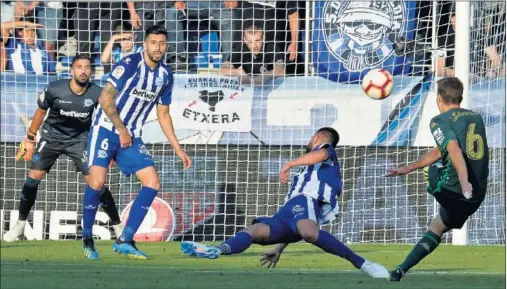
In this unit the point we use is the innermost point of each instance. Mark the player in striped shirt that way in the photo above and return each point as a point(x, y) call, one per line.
point(312, 200)
point(138, 83)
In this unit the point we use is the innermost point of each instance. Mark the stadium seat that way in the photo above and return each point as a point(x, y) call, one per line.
point(66, 60)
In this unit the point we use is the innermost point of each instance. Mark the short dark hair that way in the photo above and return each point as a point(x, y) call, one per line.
point(155, 29)
point(450, 89)
point(252, 27)
point(79, 57)
point(331, 134)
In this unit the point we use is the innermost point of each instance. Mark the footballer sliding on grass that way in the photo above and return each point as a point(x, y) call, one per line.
point(312, 200)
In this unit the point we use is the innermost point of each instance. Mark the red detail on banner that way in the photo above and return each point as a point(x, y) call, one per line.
point(157, 226)
point(187, 210)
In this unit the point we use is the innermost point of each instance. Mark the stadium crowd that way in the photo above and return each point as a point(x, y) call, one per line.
point(36, 36)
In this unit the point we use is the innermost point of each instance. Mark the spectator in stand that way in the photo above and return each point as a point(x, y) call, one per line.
point(127, 46)
point(272, 17)
point(12, 11)
point(487, 46)
point(49, 15)
point(217, 12)
point(20, 53)
point(445, 65)
point(144, 14)
point(92, 16)
point(255, 61)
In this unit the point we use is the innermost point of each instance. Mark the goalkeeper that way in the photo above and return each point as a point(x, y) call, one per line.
point(71, 104)
point(459, 181)
point(312, 200)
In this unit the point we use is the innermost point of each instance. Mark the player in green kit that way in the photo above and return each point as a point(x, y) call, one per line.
point(458, 169)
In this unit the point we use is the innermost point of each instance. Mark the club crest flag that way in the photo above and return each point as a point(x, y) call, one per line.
point(212, 103)
point(352, 37)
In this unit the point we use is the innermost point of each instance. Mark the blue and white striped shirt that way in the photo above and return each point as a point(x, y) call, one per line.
point(139, 89)
point(321, 181)
point(117, 54)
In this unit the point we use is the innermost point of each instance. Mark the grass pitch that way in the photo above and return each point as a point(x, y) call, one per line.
point(60, 264)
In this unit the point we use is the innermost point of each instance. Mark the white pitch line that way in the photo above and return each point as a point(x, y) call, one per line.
point(108, 267)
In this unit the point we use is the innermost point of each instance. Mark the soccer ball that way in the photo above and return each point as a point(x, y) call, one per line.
point(378, 84)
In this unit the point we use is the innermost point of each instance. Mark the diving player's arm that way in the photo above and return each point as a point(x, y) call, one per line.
point(458, 161)
point(106, 101)
point(271, 257)
point(310, 158)
point(166, 123)
point(280, 247)
point(305, 160)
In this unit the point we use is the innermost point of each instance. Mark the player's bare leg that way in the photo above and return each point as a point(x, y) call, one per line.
point(428, 243)
point(109, 206)
point(311, 233)
point(96, 181)
point(28, 195)
point(150, 182)
point(256, 233)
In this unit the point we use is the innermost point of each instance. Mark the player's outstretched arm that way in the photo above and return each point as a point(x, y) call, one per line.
point(458, 161)
point(106, 101)
point(271, 257)
point(426, 160)
point(308, 159)
point(166, 123)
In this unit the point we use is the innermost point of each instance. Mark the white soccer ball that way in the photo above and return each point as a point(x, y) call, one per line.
point(378, 84)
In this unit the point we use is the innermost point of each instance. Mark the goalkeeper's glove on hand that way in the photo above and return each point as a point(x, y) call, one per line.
point(26, 147)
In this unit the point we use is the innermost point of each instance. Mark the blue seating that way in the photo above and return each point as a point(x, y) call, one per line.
point(66, 60)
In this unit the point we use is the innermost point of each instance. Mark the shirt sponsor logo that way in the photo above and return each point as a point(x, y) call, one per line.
point(143, 94)
point(74, 114)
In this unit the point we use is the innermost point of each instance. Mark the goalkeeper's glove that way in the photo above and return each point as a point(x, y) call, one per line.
point(26, 147)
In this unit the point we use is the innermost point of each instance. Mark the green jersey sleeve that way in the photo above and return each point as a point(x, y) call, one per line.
point(442, 132)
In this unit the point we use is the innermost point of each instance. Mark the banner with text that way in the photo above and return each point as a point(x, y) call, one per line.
point(209, 102)
point(286, 111)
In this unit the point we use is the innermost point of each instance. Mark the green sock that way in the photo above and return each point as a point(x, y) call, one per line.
point(423, 248)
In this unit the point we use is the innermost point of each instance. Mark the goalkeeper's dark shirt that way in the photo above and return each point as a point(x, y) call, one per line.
point(70, 115)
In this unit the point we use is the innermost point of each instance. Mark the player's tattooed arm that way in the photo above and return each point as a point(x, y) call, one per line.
point(106, 101)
